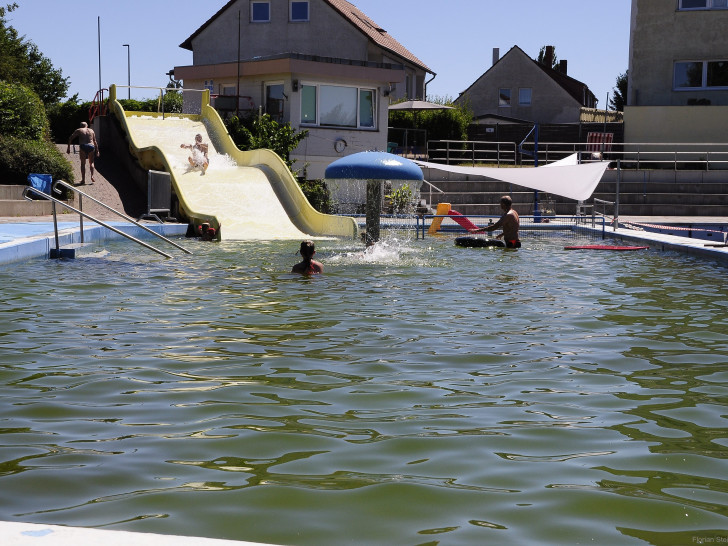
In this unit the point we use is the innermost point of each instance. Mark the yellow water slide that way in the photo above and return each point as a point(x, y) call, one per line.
point(245, 195)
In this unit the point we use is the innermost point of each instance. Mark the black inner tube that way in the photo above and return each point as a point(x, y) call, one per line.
point(478, 242)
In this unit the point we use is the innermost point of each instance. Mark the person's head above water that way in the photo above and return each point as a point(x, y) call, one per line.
point(367, 239)
point(307, 250)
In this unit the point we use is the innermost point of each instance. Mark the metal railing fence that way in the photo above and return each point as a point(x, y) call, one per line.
point(705, 156)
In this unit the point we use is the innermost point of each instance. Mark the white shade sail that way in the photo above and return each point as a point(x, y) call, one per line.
point(565, 177)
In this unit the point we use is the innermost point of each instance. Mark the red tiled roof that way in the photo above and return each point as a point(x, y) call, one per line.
point(374, 32)
point(352, 14)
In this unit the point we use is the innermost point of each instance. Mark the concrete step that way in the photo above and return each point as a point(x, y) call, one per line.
point(12, 203)
point(15, 207)
point(11, 192)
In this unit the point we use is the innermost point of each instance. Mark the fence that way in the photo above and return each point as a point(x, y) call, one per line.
point(634, 155)
point(472, 151)
point(596, 225)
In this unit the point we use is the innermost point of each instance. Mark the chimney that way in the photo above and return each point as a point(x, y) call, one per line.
point(563, 66)
point(548, 58)
point(496, 55)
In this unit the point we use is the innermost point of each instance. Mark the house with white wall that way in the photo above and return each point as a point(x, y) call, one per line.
point(322, 65)
point(520, 88)
point(678, 72)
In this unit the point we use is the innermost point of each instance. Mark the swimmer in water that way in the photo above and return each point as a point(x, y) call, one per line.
point(199, 154)
point(509, 222)
point(307, 266)
point(367, 240)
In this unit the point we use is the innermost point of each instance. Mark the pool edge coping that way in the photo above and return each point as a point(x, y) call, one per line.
point(37, 246)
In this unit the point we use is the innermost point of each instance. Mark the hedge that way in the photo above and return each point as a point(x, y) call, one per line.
point(19, 157)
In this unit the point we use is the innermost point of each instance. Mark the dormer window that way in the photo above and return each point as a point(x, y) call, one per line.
point(299, 11)
point(260, 12)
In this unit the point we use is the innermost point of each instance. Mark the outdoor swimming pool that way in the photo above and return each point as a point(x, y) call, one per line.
point(427, 394)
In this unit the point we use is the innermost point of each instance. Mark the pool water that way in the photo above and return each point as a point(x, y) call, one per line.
point(425, 394)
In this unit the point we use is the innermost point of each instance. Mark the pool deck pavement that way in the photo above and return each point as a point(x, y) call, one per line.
point(35, 534)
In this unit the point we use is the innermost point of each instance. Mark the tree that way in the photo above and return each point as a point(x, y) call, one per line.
point(619, 98)
point(21, 62)
point(542, 57)
point(22, 113)
point(253, 133)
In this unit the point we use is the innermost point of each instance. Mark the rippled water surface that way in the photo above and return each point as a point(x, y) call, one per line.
point(426, 394)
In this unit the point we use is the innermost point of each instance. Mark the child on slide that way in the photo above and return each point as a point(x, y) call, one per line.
point(199, 154)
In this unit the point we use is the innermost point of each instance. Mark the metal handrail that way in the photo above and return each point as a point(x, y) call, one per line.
point(479, 151)
point(708, 155)
point(107, 226)
point(421, 222)
point(120, 214)
point(97, 108)
point(431, 185)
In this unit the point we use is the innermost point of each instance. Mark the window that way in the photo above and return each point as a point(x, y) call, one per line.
point(717, 75)
point(504, 97)
point(260, 12)
point(308, 104)
point(366, 108)
point(688, 75)
point(299, 11)
point(524, 96)
point(274, 101)
point(703, 4)
point(338, 106)
point(700, 75)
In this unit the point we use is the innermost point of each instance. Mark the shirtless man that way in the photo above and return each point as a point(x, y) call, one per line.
point(89, 149)
point(199, 154)
point(509, 222)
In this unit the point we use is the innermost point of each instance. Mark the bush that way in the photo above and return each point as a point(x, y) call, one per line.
point(64, 118)
point(20, 157)
point(254, 133)
point(449, 124)
point(22, 113)
point(318, 195)
point(401, 199)
point(172, 103)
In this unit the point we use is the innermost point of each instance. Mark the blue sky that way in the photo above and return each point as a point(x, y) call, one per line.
point(454, 38)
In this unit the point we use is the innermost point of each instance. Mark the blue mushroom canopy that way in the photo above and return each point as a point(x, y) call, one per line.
point(374, 166)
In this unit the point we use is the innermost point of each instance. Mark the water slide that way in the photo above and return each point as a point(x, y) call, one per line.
point(245, 195)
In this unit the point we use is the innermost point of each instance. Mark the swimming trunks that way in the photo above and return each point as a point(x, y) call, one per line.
point(514, 243)
point(88, 148)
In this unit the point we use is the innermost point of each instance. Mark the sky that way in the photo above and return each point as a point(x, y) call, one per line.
point(455, 39)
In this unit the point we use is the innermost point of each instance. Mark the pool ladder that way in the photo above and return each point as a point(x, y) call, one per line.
point(70, 253)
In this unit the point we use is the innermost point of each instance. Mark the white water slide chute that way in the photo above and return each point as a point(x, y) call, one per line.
point(566, 177)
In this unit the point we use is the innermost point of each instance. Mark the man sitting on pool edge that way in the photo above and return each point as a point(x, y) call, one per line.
point(509, 222)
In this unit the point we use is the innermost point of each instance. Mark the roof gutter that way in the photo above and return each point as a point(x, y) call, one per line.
point(427, 83)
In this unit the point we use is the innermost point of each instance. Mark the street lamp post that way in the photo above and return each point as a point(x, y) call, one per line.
point(128, 68)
